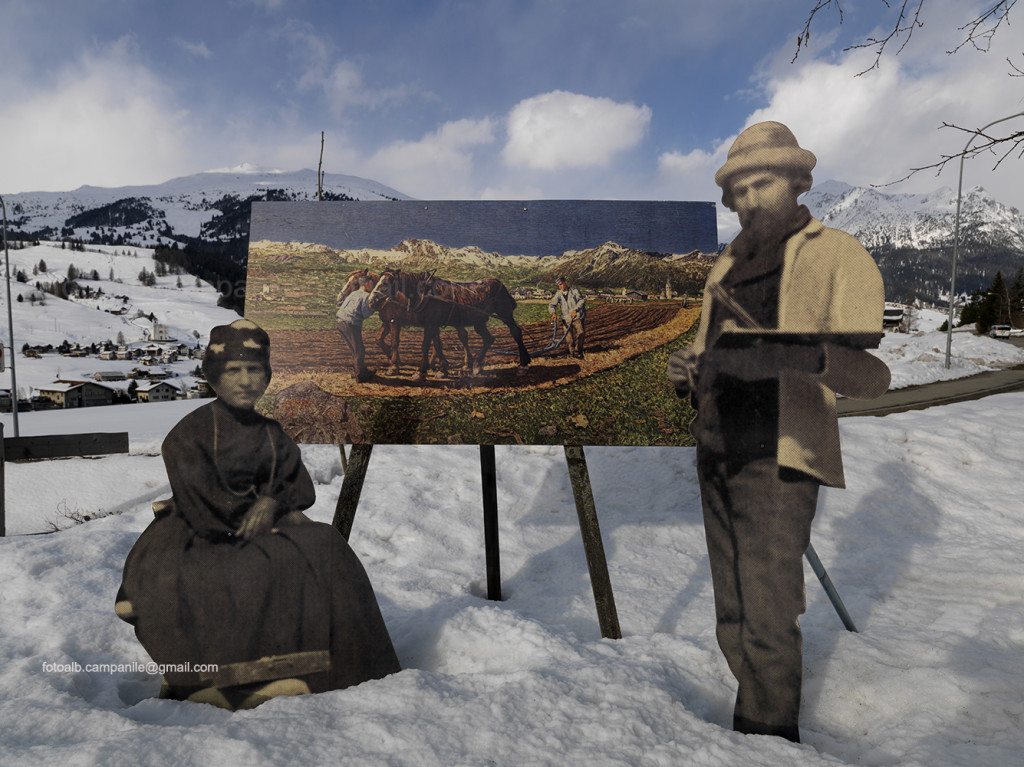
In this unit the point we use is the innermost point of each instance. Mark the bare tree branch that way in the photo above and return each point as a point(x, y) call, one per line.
point(992, 144)
point(904, 27)
point(804, 38)
point(978, 34)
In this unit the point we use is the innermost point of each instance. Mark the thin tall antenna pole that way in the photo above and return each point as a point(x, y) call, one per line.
point(319, 171)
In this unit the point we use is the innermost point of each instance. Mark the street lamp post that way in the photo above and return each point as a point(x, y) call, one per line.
point(10, 325)
point(956, 232)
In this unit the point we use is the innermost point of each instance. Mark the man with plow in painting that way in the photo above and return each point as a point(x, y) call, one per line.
point(574, 310)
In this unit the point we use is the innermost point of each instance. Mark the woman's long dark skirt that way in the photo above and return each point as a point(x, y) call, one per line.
point(300, 589)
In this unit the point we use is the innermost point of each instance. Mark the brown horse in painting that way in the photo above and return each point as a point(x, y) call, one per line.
point(393, 316)
point(436, 302)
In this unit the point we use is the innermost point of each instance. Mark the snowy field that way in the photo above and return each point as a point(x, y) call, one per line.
point(919, 357)
point(924, 547)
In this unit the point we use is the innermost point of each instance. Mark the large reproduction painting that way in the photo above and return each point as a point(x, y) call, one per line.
point(462, 347)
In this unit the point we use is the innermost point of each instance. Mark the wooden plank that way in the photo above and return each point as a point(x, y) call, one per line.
point(265, 669)
point(65, 445)
point(586, 510)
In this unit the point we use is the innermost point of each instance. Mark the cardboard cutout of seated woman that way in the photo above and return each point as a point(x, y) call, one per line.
point(231, 573)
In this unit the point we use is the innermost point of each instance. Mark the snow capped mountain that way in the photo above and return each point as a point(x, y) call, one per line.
point(881, 221)
point(210, 205)
point(608, 265)
point(911, 235)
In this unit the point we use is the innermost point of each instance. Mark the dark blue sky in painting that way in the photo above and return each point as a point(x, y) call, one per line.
point(532, 228)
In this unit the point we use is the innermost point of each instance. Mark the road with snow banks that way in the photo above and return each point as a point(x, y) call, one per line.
point(939, 392)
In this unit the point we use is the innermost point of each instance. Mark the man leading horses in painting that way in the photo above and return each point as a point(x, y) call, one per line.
point(355, 308)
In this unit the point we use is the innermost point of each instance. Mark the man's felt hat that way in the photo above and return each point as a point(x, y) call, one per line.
point(767, 146)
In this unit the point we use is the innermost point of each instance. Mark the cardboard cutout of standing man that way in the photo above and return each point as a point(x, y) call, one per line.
point(789, 309)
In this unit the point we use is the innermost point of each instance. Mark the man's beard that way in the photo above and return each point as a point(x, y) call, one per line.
point(764, 225)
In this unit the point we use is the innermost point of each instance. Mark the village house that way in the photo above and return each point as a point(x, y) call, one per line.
point(156, 391)
point(110, 375)
point(895, 318)
point(71, 394)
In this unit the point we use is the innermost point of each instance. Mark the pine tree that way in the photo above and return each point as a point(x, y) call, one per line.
point(1016, 298)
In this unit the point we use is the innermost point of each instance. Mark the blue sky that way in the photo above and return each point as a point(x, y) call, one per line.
point(484, 99)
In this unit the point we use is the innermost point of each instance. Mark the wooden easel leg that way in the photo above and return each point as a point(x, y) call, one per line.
point(592, 544)
point(3, 489)
point(488, 476)
point(351, 487)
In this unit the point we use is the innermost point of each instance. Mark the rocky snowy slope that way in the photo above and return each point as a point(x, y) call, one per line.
point(911, 235)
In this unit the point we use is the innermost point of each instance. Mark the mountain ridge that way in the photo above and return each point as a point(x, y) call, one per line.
point(909, 235)
point(605, 266)
point(203, 205)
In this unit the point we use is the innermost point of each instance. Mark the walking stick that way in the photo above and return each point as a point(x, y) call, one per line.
point(826, 582)
point(723, 296)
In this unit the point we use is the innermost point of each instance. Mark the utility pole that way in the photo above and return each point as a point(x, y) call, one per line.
point(956, 232)
point(10, 325)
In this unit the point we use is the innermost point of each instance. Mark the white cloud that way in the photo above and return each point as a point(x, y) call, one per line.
point(194, 49)
point(104, 120)
point(439, 165)
point(874, 128)
point(344, 88)
point(265, 5)
point(340, 80)
point(567, 130)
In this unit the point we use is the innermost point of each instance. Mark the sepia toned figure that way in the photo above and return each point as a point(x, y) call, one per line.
point(569, 302)
point(789, 309)
point(231, 573)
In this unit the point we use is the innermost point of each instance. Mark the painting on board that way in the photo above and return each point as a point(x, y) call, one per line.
point(484, 322)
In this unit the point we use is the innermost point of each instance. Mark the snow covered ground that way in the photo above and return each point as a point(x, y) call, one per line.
point(186, 307)
point(924, 547)
point(919, 357)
